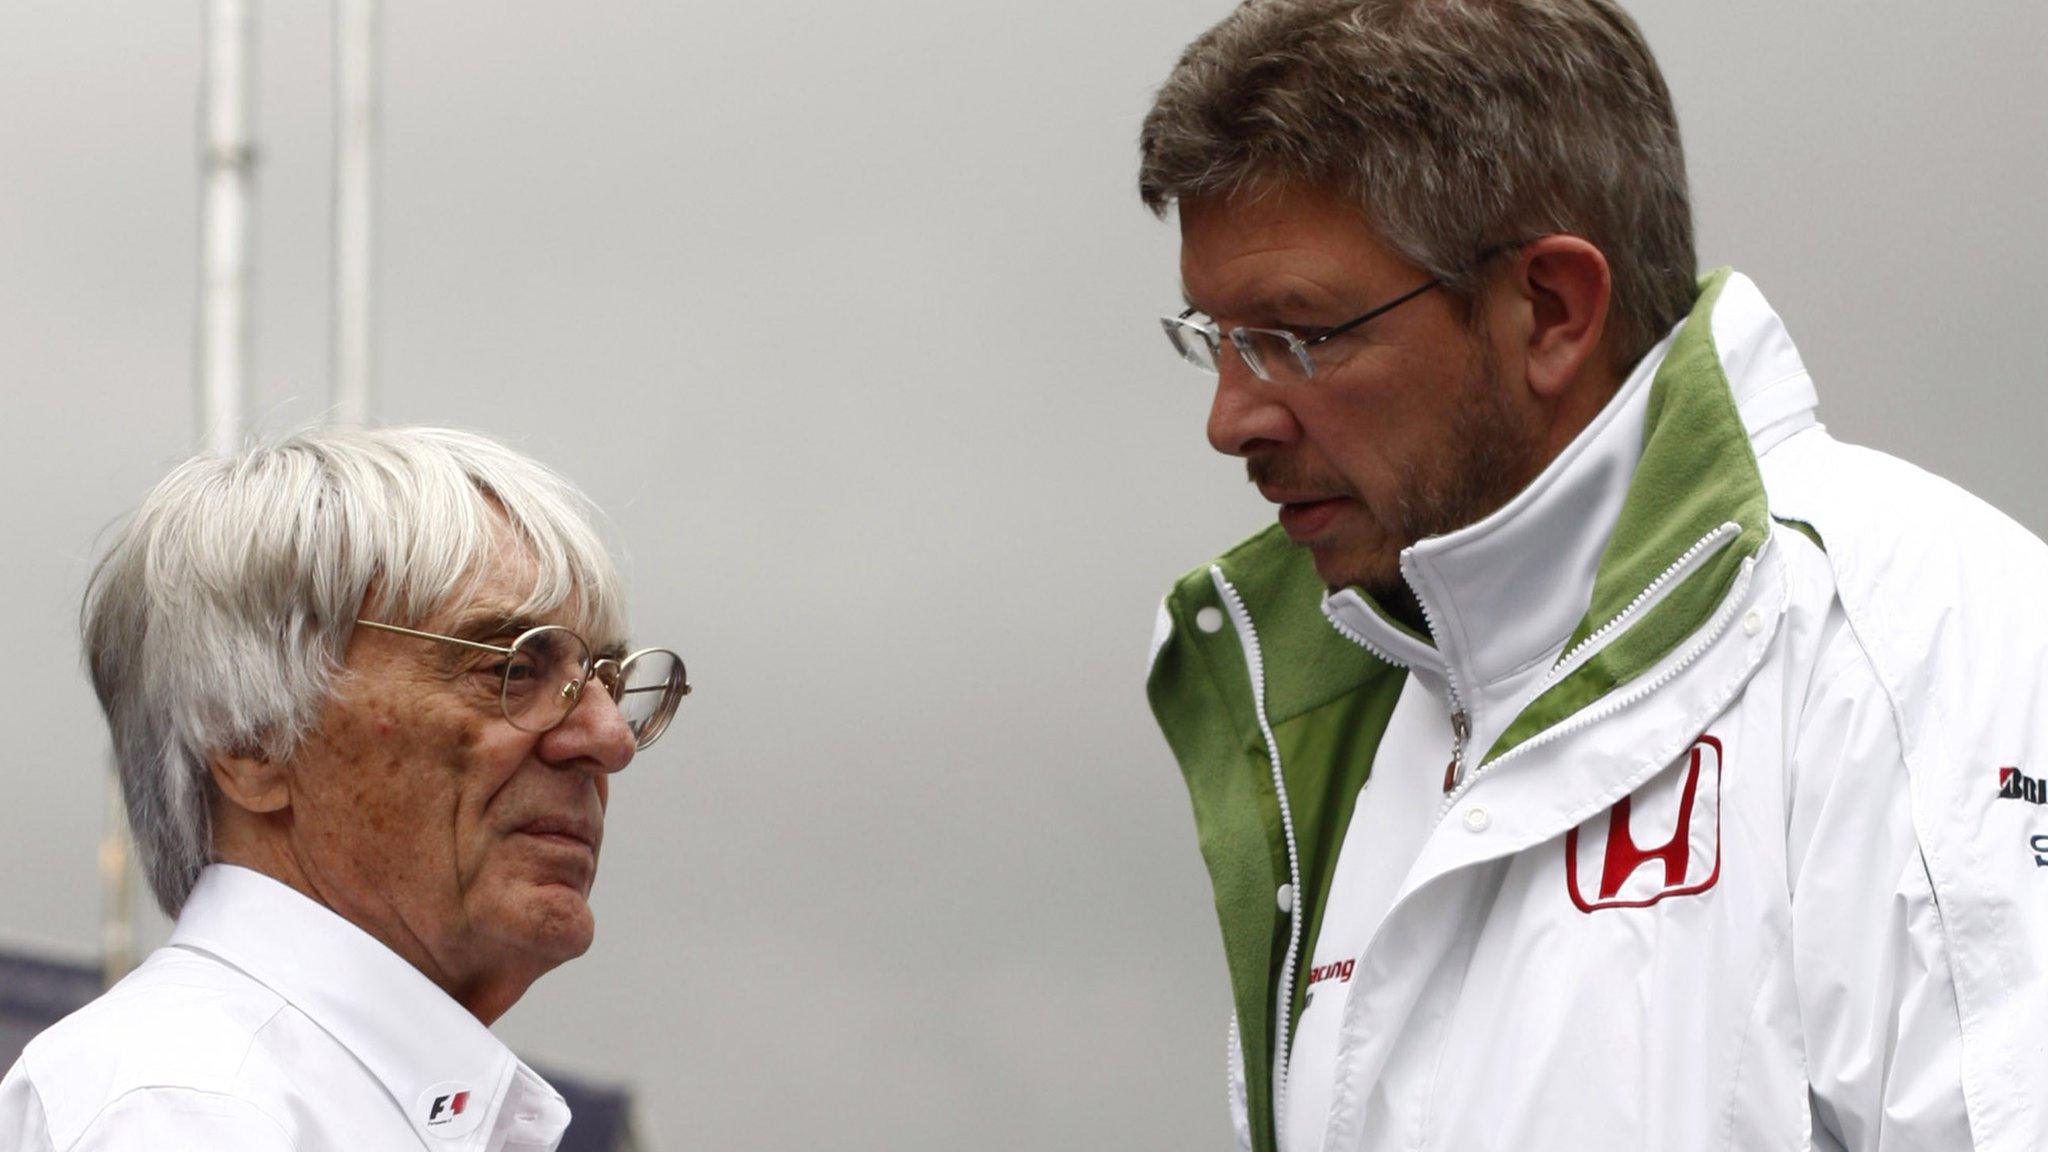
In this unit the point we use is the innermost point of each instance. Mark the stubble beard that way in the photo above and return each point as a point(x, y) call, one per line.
point(1486, 457)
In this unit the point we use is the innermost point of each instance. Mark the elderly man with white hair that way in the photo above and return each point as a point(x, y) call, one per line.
point(348, 679)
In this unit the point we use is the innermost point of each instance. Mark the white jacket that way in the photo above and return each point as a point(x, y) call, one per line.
point(1750, 859)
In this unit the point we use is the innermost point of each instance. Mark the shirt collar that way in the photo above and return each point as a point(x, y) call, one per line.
point(413, 1037)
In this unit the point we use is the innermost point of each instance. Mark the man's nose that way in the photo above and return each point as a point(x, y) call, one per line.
point(1246, 411)
point(594, 736)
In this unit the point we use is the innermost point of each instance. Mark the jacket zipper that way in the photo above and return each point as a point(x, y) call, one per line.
point(1716, 625)
point(1461, 731)
point(1233, 1064)
point(1241, 620)
point(1461, 720)
point(1705, 548)
point(1461, 723)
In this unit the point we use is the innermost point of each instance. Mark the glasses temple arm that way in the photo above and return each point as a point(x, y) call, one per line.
point(1375, 314)
point(435, 636)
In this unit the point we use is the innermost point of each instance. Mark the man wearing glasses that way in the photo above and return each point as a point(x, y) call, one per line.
point(1596, 755)
point(367, 692)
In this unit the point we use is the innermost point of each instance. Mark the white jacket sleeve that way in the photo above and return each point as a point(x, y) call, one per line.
point(1870, 962)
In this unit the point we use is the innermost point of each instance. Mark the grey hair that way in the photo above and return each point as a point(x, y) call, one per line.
point(1456, 125)
point(217, 621)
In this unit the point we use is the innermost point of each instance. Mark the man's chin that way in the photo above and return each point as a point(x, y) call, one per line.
point(553, 921)
point(1341, 568)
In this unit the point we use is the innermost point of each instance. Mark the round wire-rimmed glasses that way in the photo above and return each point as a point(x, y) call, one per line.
point(546, 669)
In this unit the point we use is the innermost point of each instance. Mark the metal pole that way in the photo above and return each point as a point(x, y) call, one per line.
point(355, 155)
point(227, 165)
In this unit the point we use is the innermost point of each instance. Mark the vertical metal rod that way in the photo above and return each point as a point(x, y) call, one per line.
point(227, 165)
point(355, 157)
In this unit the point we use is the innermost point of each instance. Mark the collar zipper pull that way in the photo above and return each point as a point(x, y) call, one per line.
point(1454, 772)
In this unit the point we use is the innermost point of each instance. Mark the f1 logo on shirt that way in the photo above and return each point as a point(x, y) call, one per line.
point(447, 1108)
point(1665, 840)
point(445, 1111)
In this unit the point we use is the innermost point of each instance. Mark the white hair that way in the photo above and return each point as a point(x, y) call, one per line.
point(218, 619)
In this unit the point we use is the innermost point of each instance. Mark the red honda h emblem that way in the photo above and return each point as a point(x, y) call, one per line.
point(1634, 867)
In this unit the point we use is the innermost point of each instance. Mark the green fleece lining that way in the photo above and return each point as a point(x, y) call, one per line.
point(1697, 473)
point(1201, 693)
point(1804, 529)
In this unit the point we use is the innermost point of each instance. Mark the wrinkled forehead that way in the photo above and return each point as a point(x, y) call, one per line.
point(513, 597)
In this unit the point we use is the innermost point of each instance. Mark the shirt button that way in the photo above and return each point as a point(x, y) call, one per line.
point(1477, 819)
point(1209, 619)
point(1752, 624)
point(1285, 897)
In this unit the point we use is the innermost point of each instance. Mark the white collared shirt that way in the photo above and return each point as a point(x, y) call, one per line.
point(269, 1022)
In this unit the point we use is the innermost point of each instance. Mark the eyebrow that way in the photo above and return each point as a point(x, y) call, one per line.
point(1263, 307)
point(486, 624)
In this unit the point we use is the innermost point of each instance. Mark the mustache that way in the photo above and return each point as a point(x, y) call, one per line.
point(1291, 476)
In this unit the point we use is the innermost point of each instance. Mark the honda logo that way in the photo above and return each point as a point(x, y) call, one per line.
point(1665, 840)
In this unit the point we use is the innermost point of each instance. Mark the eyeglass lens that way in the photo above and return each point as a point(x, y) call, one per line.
point(1191, 341)
point(543, 677)
point(550, 667)
point(650, 685)
point(1272, 355)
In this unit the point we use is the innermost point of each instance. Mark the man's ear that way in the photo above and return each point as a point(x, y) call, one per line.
point(1565, 284)
point(251, 781)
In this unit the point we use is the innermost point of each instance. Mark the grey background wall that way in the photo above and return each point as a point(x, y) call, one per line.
point(845, 314)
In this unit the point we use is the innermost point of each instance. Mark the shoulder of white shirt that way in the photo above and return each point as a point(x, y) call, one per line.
point(251, 956)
